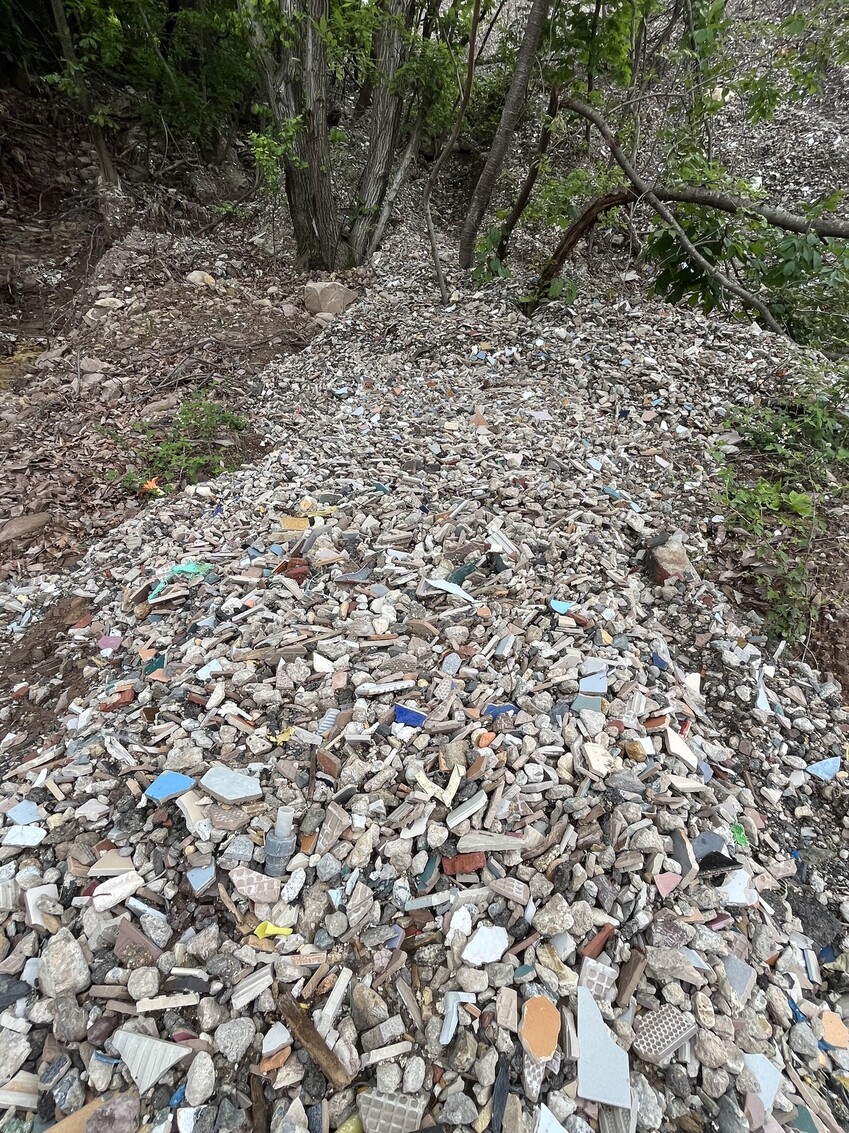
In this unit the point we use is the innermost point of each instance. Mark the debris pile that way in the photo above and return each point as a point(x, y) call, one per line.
point(419, 778)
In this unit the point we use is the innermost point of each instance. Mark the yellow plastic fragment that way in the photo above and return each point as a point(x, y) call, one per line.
point(266, 928)
point(354, 1124)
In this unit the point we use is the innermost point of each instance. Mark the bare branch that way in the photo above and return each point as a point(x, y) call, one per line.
point(646, 193)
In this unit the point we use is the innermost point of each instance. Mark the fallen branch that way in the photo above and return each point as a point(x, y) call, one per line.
point(647, 194)
point(779, 217)
point(577, 230)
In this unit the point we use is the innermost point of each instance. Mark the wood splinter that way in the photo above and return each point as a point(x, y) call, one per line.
point(301, 1026)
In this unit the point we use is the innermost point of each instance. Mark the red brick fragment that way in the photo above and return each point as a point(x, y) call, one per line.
point(463, 863)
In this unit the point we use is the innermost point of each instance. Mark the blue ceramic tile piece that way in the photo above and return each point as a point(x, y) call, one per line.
point(825, 769)
point(495, 710)
point(410, 716)
point(594, 684)
point(169, 785)
point(560, 607)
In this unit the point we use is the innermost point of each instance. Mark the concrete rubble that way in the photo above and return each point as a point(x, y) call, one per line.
point(438, 785)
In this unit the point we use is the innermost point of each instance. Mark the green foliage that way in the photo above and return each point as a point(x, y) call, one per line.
point(559, 199)
point(484, 110)
point(185, 67)
point(804, 46)
point(804, 279)
point(428, 75)
point(792, 470)
point(271, 148)
point(579, 39)
point(186, 451)
point(488, 265)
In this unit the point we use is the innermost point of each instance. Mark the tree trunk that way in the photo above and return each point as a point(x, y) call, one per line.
point(399, 177)
point(448, 148)
point(513, 105)
point(383, 133)
point(66, 42)
point(527, 189)
point(314, 106)
point(591, 57)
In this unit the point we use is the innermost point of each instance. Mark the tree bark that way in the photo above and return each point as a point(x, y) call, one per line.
point(399, 177)
point(707, 198)
point(646, 193)
point(314, 108)
point(513, 104)
point(527, 189)
point(383, 132)
point(448, 148)
point(283, 90)
point(781, 218)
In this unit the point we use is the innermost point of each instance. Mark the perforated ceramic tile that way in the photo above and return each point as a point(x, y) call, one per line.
point(390, 1113)
point(532, 1075)
point(661, 1033)
point(598, 979)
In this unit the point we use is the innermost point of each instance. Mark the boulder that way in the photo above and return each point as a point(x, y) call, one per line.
point(328, 298)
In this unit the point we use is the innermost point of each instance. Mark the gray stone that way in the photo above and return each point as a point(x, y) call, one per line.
point(328, 867)
point(230, 1117)
point(554, 916)
point(69, 1093)
point(156, 928)
point(576, 1124)
point(63, 968)
point(14, 1051)
point(120, 1114)
point(515, 1119)
point(649, 1109)
point(233, 1038)
point(414, 1074)
point(463, 1052)
point(711, 1051)
point(69, 1019)
point(388, 1077)
point(714, 1082)
point(210, 1013)
point(459, 1109)
point(678, 1081)
point(337, 925)
point(472, 979)
point(730, 1118)
point(367, 1008)
point(803, 1041)
point(200, 1081)
point(486, 1066)
point(205, 944)
point(143, 983)
point(561, 1105)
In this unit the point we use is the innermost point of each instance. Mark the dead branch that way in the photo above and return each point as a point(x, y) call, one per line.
point(577, 230)
point(646, 193)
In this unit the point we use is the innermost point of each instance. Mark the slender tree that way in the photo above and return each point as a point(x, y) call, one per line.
point(513, 105)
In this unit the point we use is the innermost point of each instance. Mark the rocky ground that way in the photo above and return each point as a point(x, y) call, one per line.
point(568, 838)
